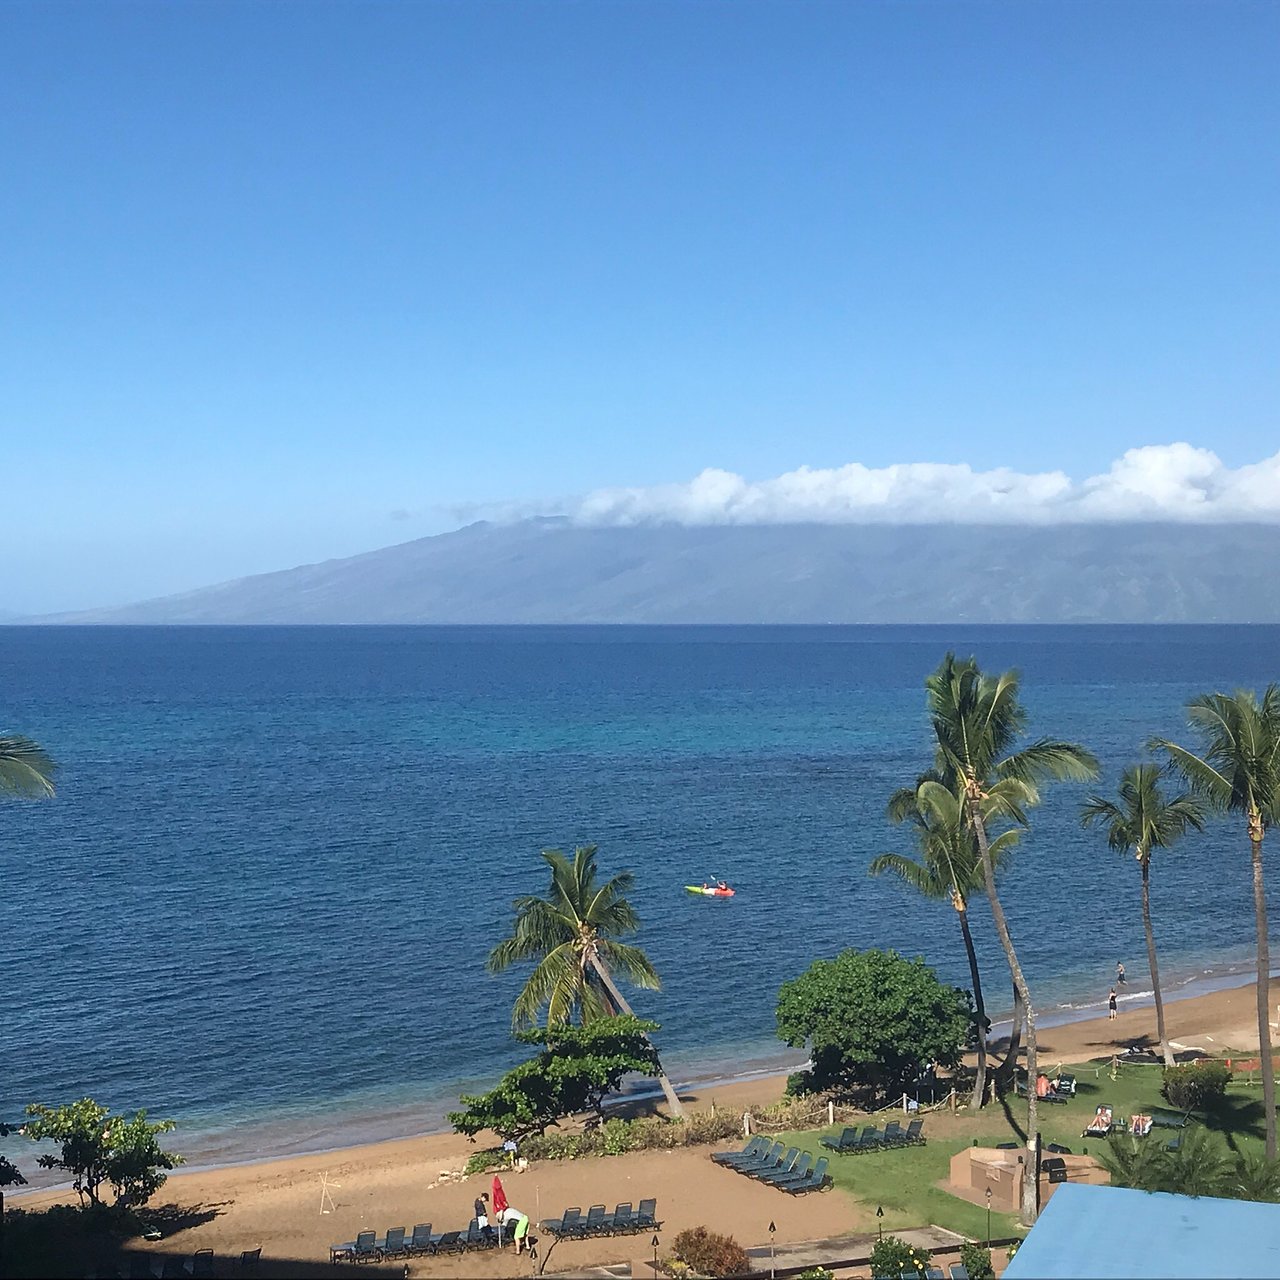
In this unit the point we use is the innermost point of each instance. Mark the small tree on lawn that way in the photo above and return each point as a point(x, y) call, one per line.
point(873, 1019)
point(577, 1069)
point(97, 1147)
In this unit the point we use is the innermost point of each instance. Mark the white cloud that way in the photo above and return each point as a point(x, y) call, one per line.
point(1176, 482)
point(1157, 482)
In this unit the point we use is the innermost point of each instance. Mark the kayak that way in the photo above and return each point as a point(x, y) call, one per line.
point(710, 893)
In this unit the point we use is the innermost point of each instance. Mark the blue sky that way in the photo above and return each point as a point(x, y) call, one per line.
point(289, 281)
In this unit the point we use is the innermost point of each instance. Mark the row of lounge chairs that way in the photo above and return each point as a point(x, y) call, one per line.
point(789, 1169)
point(871, 1139)
point(400, 1243)
point(623, 1221)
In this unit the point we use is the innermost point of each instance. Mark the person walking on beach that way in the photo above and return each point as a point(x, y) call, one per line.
point(1119, 973)
point(1111, 1004)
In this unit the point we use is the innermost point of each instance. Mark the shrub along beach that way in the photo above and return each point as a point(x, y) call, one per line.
point(888, 1042)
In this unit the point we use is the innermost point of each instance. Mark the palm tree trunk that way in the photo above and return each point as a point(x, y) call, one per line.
point(677, 1108)
point(1030, 1171)
point(1008, 1066)
point(1264, 984)
point(980, 1084)
point(1151, 960)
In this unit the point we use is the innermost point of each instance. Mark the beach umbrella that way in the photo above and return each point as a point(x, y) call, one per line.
point(499, 1196)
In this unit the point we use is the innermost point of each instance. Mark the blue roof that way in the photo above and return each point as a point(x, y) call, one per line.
point(1088, 1231)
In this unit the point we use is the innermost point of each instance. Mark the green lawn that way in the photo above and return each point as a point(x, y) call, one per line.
point(903, 1181)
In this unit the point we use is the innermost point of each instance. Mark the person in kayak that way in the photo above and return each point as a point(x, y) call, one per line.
point(721, 886)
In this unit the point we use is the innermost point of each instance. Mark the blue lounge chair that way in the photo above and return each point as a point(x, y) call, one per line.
point(798, 1170)
point(392, 1245)
point(624, 1220)
point(893, 1135)
point(364, 1248)
point(565, 1225)
point(647, 1216)
point(914, 1135)
point(595, 1223)
point(784, 1166)
point(872, 1139)
point(815, 1180)
point(934, 1273)
point(450, 1242)
point(767, 1161)
point(420, 1241)
point(754, 1149)
point(847, 1141)
point(959, 1271)
point(200, 1264)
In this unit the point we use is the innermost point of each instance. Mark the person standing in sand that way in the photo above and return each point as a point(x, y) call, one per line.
point(1119, 973)
point(1111, 1004)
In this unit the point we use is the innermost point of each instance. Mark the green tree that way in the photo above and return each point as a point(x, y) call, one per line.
point(25, 768)
point(97, 1147)
point(571, 937)
point(873, 1019)
point(1141, 822)
point(1239, 772)
point(977, 720)
point(949, 869)
point(577, 1068)
point(1254, 1177)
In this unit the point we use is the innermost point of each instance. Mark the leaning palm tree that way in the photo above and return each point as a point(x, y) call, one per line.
point(572, 938)
point(1239, 772)
point(977, 720)
point(948, 869)
point(25, 768)
point(1140, 823)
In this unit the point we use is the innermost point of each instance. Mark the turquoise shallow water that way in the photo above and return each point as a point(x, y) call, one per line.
point(263, 898)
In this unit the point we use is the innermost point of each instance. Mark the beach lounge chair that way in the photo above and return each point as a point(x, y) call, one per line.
point(798, 1170)
point(1065, 1084)
point(1057, 1149)
point(392, 1244)
point(847, 1141)
point(249, 1259)
point(767, 1161)
point(814, 1180)
point(624, 1220)
point(450, 1242)
point(783, 1167)
point(1139, 1126)
point(748, 1155)
point(563, 1224)
point(363, 1248)
point(893, 1135)
point(959, 1271)
point(647, 1216)
point(474, 1237)
point(872, 1139)
point(934, 1273)
point(914, 1135)
point(1101, 1124)
point(1174, 1143)
point(420, 1241)
point(595, 1223)
point(1162, 1118)
point(200, 1263)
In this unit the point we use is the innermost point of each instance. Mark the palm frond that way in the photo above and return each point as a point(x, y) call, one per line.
point(25, 768)
point(1047, 760)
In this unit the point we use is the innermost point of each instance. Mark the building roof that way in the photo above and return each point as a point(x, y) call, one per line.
point(1114, 1231)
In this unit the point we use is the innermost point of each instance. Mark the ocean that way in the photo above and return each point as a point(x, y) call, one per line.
point(262, 900)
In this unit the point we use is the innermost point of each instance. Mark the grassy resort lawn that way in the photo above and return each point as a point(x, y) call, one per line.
point(909, 1183)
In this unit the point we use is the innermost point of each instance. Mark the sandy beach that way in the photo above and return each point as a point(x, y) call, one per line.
point(278, 1204)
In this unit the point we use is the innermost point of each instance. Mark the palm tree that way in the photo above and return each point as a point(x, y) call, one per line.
point(25, 768)
point(1142, 822)
point(1240, 773)
point(976, 721)
point(948, 869)
point(571, 936)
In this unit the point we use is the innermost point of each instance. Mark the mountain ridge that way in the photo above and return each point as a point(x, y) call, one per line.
point(550, 571)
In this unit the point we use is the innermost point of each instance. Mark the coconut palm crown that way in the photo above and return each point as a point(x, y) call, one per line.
point(571, 936)
point(25, 768)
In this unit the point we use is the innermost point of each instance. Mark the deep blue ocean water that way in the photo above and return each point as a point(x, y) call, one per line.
point(262, 900)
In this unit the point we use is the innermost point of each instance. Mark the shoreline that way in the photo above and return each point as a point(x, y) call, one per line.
point(1064, 1035)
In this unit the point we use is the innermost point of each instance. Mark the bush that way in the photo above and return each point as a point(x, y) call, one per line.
point(708, 1126)
point(977, 1261)
point(617, 1137)
point(893, 1257)
point(816, 1273)
point(483, 1161)
point(1195, 1085)
point(711, 1254)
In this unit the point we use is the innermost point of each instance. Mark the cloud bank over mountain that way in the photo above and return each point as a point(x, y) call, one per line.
point(1174, 482)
